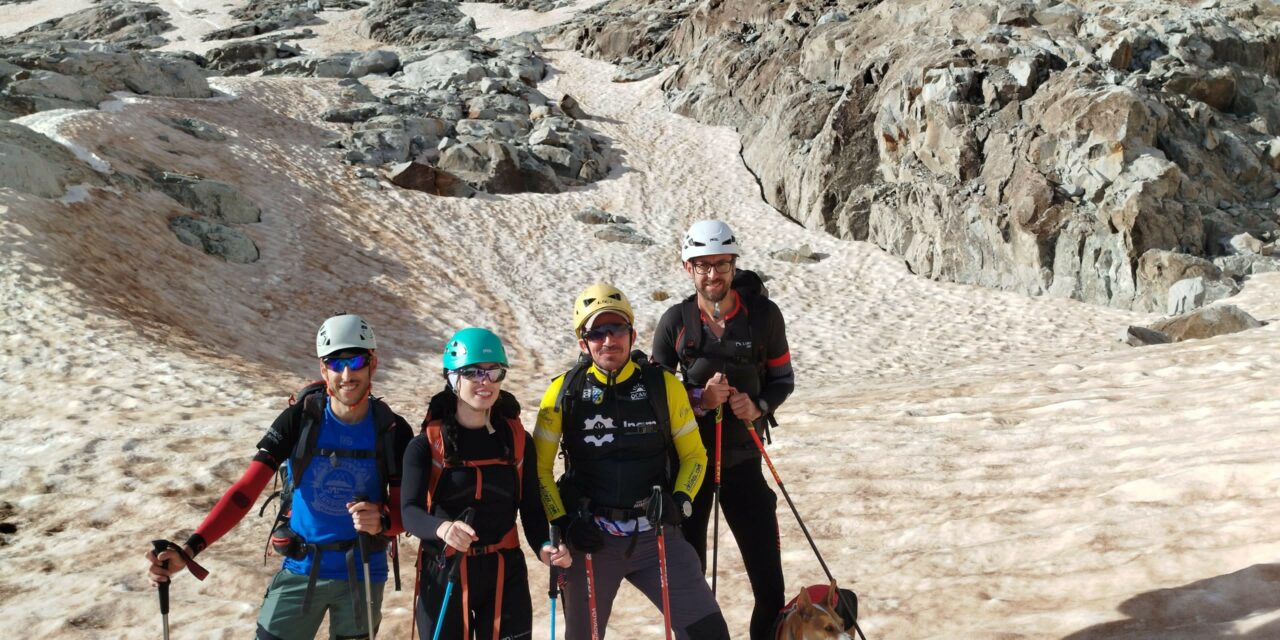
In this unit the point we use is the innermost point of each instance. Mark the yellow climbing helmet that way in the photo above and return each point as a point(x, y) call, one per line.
point(596, 298)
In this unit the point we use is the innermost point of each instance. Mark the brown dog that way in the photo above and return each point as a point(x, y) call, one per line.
point(805, 619)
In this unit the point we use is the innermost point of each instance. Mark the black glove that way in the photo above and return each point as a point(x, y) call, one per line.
point(674, 509)
point(581, 533)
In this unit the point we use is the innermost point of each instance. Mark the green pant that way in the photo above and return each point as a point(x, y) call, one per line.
point(281, 617)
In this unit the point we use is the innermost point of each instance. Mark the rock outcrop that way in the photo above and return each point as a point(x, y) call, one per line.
point(1044, 147)
point(131, 25)
point(77, 75)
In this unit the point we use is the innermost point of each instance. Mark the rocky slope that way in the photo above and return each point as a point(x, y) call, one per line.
point(1097, 150)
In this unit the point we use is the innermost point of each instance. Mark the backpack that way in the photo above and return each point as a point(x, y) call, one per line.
point(435, 437)
point(654, 383)
point(750, 288)
point(312, 398)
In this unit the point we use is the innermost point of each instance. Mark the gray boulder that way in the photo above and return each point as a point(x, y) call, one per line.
point(379, 61)
point(1207, 323)
point(1136, 336)
point(215, 239)
point(1246, 264)
point(594, 215)
point(336, 65)
point(622, 233)
point(196, 128)
point(212, 198)
point(424, 177)
point(441, 68)
point(635, 75)
point(1159, 270)
point(1192, 293)
point(32, 163)
point(241, 58)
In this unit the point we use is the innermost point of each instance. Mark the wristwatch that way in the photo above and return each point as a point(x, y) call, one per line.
point(764, 407)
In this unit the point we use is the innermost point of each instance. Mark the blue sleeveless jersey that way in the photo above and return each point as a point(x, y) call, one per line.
point(320, 500)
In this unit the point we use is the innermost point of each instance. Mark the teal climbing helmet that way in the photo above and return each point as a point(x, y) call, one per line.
point(473, 345)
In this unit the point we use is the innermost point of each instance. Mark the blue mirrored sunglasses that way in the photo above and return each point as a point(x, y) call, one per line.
point(476, 374)
point(355, 363)
point(597, 334)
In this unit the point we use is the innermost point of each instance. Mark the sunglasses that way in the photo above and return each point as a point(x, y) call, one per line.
point(598, 334)
point(476, 374)
point(703, 268)
point(355, 363)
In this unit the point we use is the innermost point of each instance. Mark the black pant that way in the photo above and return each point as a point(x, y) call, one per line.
point(749, 507)
point(482, 585)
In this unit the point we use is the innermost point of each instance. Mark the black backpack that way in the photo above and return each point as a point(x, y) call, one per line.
point(312, 398)
point(654, 384)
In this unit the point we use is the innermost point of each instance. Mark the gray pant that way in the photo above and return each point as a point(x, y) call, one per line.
point(691, 599)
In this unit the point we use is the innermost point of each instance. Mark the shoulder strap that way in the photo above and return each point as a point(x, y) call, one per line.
point(312, 415)
point(517, 448)
point(656, 384)
point(571, 387)
point(384, 428)
point(758, 324)
point(435, 438)
point(689, 338)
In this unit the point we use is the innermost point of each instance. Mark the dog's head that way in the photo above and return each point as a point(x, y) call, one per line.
point(811, 620)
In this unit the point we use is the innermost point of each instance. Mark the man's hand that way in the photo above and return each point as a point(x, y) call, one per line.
point(165, 565)
point(744, 407)
point(366, 517)
point(716, 391)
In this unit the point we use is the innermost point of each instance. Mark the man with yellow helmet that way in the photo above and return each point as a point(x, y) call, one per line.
point(625, 427)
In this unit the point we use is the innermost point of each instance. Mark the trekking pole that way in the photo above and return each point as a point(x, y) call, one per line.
point(655, 518)
point(591, 599)
point(194, 568)
point(368, 587)
point(160, 546)
point(715, 497)
point(459, 558)
point(778, 479)
point(555, 544)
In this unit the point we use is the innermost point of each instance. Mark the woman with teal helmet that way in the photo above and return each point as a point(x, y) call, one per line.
point(471, 457)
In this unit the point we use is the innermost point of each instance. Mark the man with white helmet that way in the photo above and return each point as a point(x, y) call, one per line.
point(625, 427)
point(730, 344)
point(342, 449)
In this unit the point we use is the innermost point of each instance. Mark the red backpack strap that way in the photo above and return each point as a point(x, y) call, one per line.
point(435, 438)
point(517, 447)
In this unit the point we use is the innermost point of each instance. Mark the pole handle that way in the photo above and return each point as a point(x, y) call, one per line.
point(555, 583)
point(159, 546)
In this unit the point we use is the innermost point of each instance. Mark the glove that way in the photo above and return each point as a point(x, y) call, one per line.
point(580, 533)
point(674, 509)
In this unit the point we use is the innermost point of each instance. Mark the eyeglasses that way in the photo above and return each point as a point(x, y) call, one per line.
point(703, 268)
point(598, 334)
point(355, 363)
point(476, 374)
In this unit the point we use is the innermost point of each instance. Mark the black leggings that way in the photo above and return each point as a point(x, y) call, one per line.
point(482, 588)
point(749, 507)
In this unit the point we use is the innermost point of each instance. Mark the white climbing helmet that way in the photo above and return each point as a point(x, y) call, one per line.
point(708, 238)
point(344, 331)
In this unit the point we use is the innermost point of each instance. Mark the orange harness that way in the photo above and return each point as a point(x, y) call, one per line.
point(510, 540)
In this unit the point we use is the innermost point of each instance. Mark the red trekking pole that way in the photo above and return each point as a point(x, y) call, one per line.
point(591, 600)
point(655, 518)
point(778, 479)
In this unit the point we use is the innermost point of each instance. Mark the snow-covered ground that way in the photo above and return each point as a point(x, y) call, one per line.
point(975, 464)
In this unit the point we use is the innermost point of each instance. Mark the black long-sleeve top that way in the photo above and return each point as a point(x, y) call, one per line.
point(496, 510)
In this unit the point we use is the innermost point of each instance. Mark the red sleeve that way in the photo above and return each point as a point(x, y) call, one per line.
point(393, 510)
point(236, 502)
